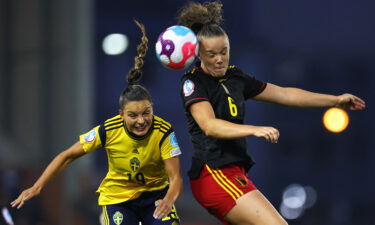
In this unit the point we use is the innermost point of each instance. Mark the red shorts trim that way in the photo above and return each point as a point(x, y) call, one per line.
point(218, 189)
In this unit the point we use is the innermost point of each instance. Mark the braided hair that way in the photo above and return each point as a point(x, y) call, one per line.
point(136, 92)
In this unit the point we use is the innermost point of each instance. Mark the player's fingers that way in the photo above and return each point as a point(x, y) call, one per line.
point(162, 213)
point(358, 104)
point(23, 200)
point(267, 136)
point(17, 201)
point(158, 209)
point(274, 135)
point(14, 203)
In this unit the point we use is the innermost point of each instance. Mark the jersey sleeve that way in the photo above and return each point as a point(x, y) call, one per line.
point(93, 139)
point(253, 87)
point(192, 91)
point(169, 145)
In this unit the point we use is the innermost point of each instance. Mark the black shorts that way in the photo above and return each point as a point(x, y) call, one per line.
point(139, 210)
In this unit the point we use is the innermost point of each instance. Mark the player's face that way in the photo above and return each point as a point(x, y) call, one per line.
point(214, 55)
point(138, 116)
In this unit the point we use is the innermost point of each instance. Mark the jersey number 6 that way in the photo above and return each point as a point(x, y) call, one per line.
point(232, 107)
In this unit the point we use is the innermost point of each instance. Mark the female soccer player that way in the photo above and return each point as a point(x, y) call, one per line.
point(214, 97)
point(143, 179)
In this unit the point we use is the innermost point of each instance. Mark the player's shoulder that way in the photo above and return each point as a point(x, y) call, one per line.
point(190, 74)
point(234, 69)
point(113, 123)
point(194, 70)
point(161, 124)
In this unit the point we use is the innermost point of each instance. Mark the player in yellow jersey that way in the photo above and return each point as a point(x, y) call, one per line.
point(143, 179)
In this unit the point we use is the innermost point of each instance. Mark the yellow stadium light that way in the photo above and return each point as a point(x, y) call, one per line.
point(335, 120)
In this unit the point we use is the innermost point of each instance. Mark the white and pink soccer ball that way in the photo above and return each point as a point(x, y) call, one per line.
point(177, 47)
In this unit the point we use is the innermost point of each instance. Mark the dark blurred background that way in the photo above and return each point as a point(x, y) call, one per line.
point(56, 82)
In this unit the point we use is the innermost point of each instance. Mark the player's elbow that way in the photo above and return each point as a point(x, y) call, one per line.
point(209, 129)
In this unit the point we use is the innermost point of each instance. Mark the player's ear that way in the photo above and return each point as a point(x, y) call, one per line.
point(121, 113)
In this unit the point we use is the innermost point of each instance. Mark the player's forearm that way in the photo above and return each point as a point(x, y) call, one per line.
point(301, 98)
point(174, 190)
point(54, 168)
point(218, 128)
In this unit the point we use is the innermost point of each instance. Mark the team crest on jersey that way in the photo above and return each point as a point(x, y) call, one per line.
point(188, 88)
point(90, 136)
point(135, 164)
point(117, 218)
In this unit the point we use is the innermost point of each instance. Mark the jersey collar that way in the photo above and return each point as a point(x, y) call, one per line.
point(137, 137)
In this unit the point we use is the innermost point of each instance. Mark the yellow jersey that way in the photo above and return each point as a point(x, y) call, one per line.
point(135, 164)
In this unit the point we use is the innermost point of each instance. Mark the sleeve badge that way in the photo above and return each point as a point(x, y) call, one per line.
point(89, 137)
point(188, 87)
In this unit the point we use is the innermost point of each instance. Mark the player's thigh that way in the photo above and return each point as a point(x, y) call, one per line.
point(118, 214)
point(253, 208)
point(171, 219)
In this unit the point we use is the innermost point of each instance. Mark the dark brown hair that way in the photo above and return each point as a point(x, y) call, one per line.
point(204, 19)
point(135, 92)
point(135, 73)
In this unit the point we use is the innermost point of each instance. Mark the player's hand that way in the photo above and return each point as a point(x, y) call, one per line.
point(163, 208)
point(350, 102)
point(26, 195)
point(269, 133)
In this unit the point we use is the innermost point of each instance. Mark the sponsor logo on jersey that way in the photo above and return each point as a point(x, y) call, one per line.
point(188, 88)
point(117, 218)
point(89, 137)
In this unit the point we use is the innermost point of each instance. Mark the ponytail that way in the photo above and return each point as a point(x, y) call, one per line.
point(135, 92)
point(135, 73)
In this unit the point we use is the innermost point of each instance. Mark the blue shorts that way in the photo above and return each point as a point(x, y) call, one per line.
point(139, 210)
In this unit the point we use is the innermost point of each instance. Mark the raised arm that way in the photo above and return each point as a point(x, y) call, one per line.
point(164, 206)
point(55, 167)
point(301, 98)
point(204, 115)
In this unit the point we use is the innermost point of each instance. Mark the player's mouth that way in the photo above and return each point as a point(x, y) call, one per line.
point(140, 129)
point(219, 70)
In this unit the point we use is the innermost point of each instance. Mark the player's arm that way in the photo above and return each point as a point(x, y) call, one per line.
point(55, 167)
point(204, 115)
point(164, 206)
point(301, 98)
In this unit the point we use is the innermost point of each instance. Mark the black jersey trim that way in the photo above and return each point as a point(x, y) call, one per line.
point(162, 129)
point(195, 100)
point(111, 120)
point(261, 89)
point(165, 124)
point(160, 125)
point(136, 137)
point(166, 134)
point(109, 126)
point(102, 134)
point(113, 128)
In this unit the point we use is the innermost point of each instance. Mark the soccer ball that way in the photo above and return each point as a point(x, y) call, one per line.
point(177, 47)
